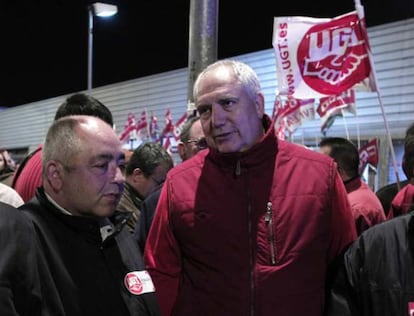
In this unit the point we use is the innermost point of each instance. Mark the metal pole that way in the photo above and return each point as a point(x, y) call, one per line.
point(202, 42)
point(90, 47)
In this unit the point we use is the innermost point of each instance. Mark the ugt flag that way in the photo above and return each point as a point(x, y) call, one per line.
point(321, 57)
point(368, 154)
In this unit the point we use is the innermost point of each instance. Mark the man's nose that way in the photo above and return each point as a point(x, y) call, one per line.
point(218, 115)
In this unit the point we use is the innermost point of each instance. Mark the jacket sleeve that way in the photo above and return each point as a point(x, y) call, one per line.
point(343, 230)
point(343, 298)
point(162, 255)
point(19, 282)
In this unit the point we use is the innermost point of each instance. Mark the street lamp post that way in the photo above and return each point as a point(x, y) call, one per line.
point(101, 10)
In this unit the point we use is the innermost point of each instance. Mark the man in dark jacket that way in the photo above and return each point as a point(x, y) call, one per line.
point(87, 262)
point(377, 274)
point(19, 280)
point(251, 225)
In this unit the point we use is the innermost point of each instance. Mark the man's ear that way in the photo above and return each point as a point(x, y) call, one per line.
point(407, 170)
point(181, 151)
point(54, 174)
point(260, 105)
point(136, 175)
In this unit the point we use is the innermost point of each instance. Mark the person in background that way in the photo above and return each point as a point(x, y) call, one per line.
point(145, 171)
point(28, 176)
point(20, 288)
point(87, 261)
point(366, 207)
point(387, 193)
point(7, 167)
point(252, 224)
point(376, 275)
point(192, 140)
point(9, 196)
point(404, 199)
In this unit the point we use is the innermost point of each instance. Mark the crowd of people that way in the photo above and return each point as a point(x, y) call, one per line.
point(246, 224)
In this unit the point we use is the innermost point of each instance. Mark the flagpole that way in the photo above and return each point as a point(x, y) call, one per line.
point(360, 11)
point(148, 126)
point(346, 125)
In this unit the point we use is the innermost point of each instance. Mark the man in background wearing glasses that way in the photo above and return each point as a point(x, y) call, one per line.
point(192, 140)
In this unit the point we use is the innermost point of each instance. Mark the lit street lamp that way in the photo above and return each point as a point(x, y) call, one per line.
point(101, 10)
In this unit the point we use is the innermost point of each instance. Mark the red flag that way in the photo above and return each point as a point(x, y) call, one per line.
point(153, 127)
point(293, 113)
point(331, 107)
point(142, 126)
point(167, 144)
point(321, 57)
point(297, 112)
point(179, 126)
point(368, 154)
point(278, 119)
point(129, 128)
point(168, 127)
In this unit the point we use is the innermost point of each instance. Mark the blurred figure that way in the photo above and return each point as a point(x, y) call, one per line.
point(145, 171)
point(192, 140)
point(10, 196)
point(376, 276)
point(7, 167)
point(28, 176)
point(20, 289)
point(88, 263)
point(387, 193)
point(365, 205)
point(404, 200)
point(252, 224)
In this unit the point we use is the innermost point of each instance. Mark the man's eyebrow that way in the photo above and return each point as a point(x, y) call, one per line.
point(101, 157)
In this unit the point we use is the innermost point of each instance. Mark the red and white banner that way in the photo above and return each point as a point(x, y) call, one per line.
point(293, 113)
point(331, 107)
point(142, 126)
point(368, 154)
point(153, 127)
point(321, 57)
point(168, 127)
point(129, 128)
point(179, 126)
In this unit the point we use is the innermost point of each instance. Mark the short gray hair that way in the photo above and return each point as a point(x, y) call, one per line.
point(62, 142)
point(246, 76)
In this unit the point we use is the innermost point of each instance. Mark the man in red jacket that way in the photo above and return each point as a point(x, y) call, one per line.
point(252, 225)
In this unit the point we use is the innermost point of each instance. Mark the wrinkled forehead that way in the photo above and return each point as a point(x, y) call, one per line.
point(100, 140)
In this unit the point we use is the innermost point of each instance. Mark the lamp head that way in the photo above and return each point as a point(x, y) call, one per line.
point(104, 9)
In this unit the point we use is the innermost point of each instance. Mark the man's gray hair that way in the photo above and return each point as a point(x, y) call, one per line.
point(62, 141)
point(246, 76)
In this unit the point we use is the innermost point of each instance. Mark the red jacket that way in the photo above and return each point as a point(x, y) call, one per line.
point(251, 231)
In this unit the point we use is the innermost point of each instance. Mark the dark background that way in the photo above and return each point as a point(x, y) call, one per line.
point(44, 42)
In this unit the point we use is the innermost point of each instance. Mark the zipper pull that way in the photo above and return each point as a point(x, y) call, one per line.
point(268, 216)
point(238, 168)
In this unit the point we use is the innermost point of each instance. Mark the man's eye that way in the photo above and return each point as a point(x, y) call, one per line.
point(227, 104)
point(101, 167)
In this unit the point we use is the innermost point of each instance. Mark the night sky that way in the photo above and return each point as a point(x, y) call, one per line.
point(44, 42)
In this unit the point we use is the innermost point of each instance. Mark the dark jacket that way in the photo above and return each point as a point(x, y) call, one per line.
point(377, 275)
point(251, 232)
point(142, 226)
point(19, 281)
point(80, 274)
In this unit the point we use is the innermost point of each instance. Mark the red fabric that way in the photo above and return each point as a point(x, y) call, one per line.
point(402, 202)
point(30, 177)
point(365, 205)
point(209, 248)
